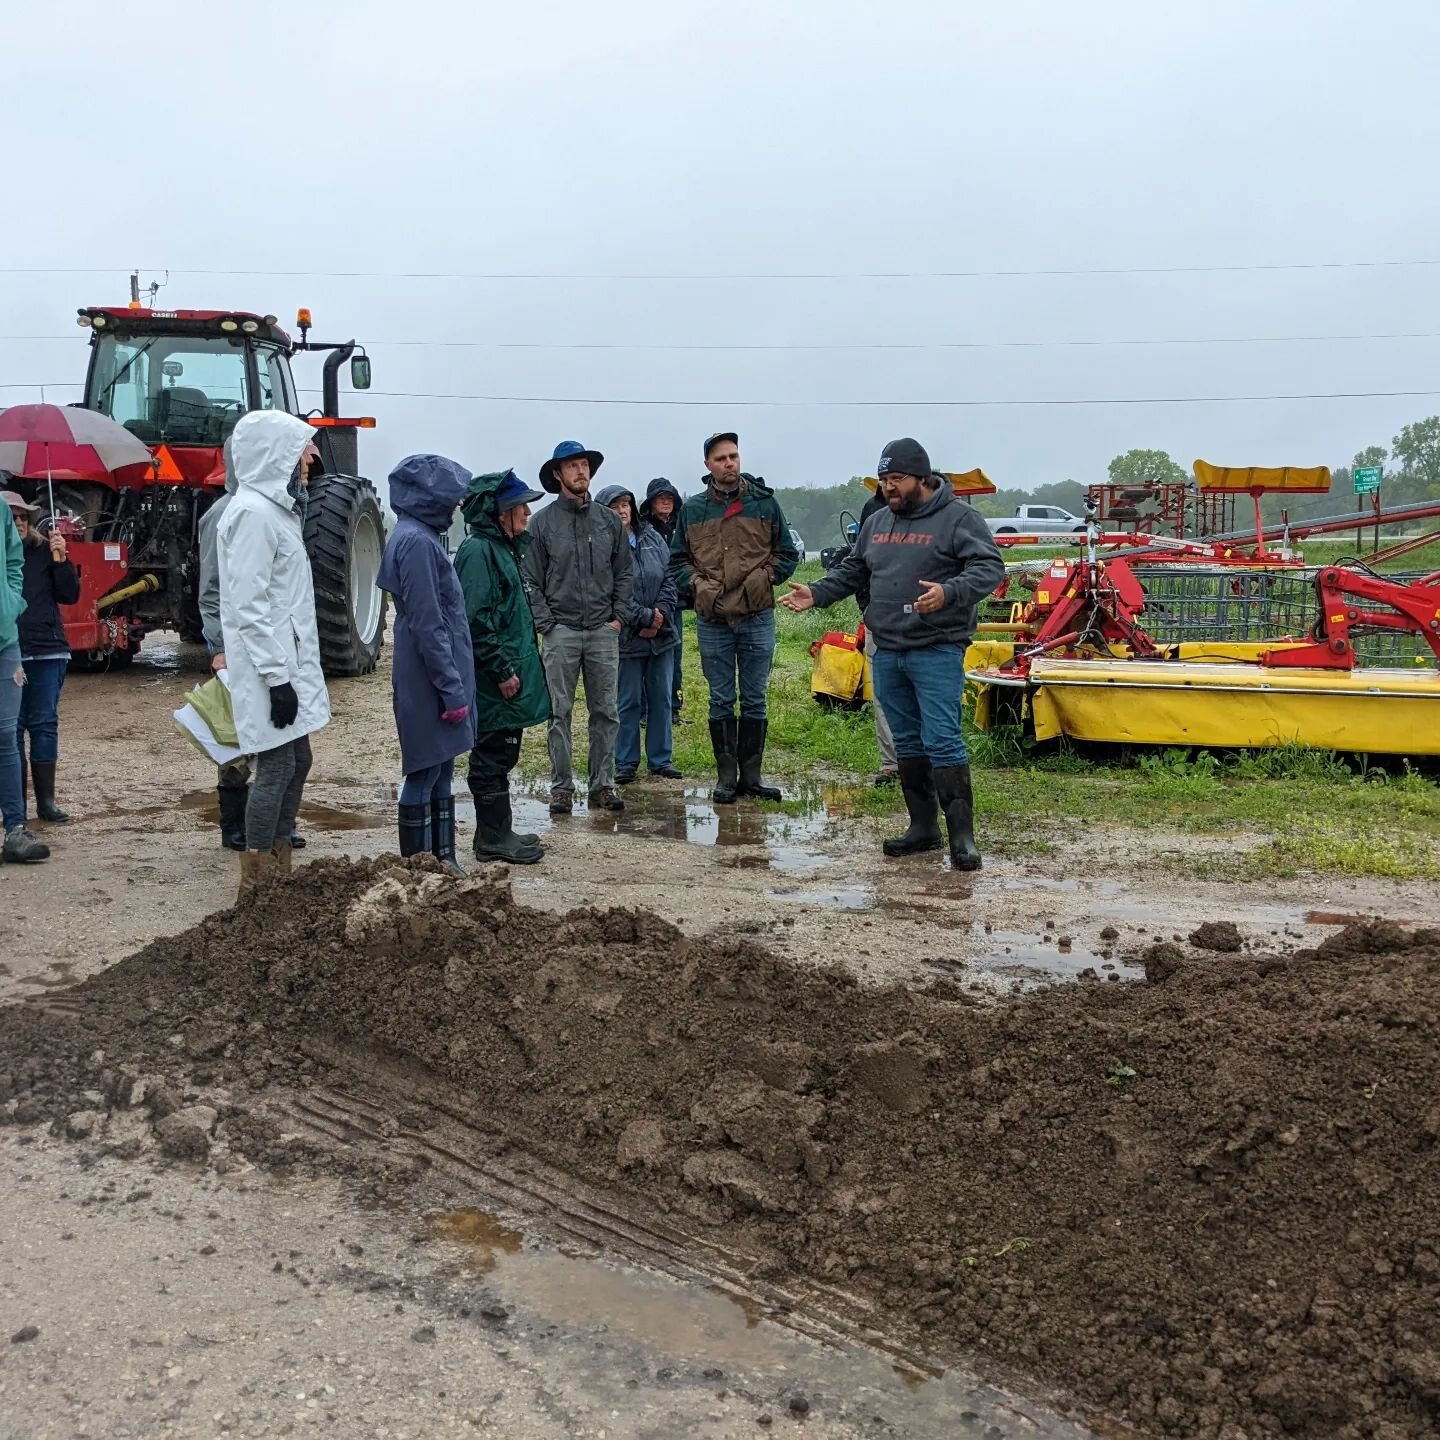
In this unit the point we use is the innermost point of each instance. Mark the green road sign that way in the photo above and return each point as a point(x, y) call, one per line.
point(1367, 479)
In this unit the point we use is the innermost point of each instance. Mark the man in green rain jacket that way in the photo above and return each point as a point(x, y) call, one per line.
point(510, 689)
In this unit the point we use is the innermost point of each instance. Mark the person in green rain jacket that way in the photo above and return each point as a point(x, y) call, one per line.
point(510, 690)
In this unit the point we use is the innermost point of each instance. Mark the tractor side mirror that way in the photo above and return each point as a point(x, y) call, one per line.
point(359, 372)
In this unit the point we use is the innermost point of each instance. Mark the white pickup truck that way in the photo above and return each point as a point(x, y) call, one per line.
point(1038, 520)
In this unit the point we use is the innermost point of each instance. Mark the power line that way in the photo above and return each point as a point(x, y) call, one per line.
point(846, 345)
point(830, 404)
point(892, 404)
point(750, 275)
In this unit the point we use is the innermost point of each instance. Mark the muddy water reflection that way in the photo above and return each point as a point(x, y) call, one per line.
point(615, 1318)
point(760, 838)
point(312, 813)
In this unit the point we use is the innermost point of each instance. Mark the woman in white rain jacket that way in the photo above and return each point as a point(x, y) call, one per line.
point(267, 613)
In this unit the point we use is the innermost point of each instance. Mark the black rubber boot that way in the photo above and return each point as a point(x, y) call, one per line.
point(957, 803)
point(232, 800)
point(725, 741)
point(442, 832)
point(752, 758)
point(414, 830)
point(495, 839)
point(43, 773)
point(917, 784)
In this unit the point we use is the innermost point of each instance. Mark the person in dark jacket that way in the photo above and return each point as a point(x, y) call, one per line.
point(578, 574)
point(433, 674)
point(662, 510)
point(930, 559)
point(731, 547)
point(510, 689)
point(646, 646)
point(50, 582)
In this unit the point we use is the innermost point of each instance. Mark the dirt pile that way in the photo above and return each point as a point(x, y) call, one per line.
point(1205, 1203)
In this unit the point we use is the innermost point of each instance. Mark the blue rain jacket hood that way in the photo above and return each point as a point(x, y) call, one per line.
point(433, 671)
point(428, 488)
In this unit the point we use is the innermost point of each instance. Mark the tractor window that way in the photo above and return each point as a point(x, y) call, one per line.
point(277, 390)
point(176, 389)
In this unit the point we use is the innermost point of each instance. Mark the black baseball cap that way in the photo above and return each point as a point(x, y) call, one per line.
point(717, 437)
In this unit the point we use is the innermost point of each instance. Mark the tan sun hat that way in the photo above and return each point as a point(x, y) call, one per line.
point(18, 502)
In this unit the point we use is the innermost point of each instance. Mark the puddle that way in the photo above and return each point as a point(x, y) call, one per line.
point(1017, 955)
point(780, 841)
point(613, 1319)
point(849, 897)
point(312, 813)
point(485, 1239)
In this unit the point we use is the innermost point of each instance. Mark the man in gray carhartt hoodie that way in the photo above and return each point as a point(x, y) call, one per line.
point(929, 559)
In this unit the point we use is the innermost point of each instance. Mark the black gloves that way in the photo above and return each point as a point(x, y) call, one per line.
point(284, 705)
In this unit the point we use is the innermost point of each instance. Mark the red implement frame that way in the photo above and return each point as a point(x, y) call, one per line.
point(1085, 602)
point(1414, 609)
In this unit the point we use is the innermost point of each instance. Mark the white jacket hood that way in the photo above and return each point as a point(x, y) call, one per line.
point(265, 447)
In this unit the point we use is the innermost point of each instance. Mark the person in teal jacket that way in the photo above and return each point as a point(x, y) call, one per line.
point(20, 846)
point(510, 690)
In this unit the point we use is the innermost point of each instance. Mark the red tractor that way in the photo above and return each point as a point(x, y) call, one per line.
point(179, 380)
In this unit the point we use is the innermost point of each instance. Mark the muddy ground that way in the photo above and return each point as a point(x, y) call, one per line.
point(606, 1176)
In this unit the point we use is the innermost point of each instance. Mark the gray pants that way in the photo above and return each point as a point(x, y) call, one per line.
point(275, 793)
point(570, 656)
point(883, 737)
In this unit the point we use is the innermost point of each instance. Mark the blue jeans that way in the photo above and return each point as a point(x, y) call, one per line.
point(12, 798)
point(920, 692)
point(40, 709)
point(422, 786)
point(746, 648)
point(676, 659)
point(645, 685)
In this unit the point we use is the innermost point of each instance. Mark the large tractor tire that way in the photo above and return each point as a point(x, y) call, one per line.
point(345, 537)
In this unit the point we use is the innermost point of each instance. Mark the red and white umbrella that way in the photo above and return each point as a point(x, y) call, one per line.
point(61, 442)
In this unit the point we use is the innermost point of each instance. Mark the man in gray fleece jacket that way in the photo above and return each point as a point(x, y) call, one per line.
point(578, 574)
point(929, 559)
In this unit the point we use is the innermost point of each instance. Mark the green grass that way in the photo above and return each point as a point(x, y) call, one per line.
point(1272, 813)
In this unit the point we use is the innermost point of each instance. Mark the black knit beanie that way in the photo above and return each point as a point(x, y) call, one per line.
point(903, 457)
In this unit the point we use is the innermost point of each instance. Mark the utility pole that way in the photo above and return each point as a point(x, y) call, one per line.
point(134, 289)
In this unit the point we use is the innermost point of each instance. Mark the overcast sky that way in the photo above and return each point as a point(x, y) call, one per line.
point(564, 137)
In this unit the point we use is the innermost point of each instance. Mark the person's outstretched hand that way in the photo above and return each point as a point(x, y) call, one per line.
point(932, 597)
point(284, 705)
point(799, 598)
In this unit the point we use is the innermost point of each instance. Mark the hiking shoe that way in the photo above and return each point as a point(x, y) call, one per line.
point(605, 799)
point(561, 805)
point(887, 777)
point(666, 772)
point(23, 848)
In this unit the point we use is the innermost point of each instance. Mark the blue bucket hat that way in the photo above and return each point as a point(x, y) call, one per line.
point(513, 491)
point(567, 450)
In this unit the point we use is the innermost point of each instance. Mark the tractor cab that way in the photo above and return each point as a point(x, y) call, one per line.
point(182, 379)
